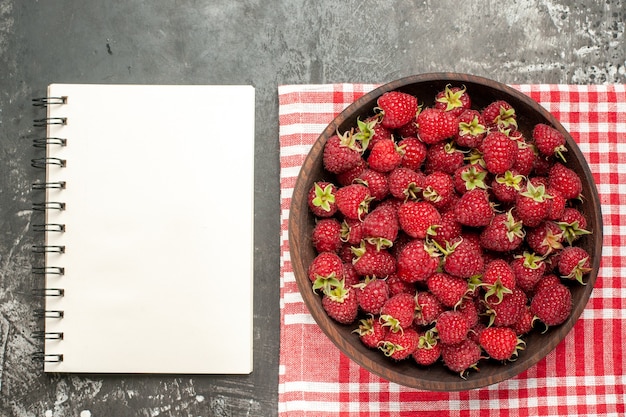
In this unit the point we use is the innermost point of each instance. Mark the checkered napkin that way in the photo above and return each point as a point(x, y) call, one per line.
point(584, 376)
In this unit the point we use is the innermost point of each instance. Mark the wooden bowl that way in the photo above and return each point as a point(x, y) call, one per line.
point(301, 222)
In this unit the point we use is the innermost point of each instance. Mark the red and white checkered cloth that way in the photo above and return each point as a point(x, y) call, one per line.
point(584, 376)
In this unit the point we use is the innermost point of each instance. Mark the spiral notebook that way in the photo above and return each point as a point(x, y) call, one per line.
point(148, 228)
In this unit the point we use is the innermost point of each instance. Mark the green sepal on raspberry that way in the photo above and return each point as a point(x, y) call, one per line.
point(387, 320)
point(451, 98)
point(473, 128)
point(379, 242)
point(572, 231)
point(498, 290)
point(531, 260)
point(428, 339)
point(349, 140)
point(370, 332)
point(365, 132)
point(327, 284)
point(365, 327)
point(324, 197)
point(474, 177)
point(359, 251)
point(536, 192)
point(510, 179)
point(532, 204)
point(475, 156)
point(389, 348)
point(545, 239)
point(336, 292)
point(473, 284)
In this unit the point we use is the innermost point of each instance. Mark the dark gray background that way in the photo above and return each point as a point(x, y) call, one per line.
point(263, 43)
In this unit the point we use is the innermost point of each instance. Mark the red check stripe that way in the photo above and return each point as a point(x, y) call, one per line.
point(575, 379)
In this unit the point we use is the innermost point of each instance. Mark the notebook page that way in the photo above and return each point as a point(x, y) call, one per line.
point(158, 229)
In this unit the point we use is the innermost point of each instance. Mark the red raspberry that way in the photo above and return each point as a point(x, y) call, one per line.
point(565, 180)
point(552, 305)
point(474, 208)
point(397, 109)
point(415, 262)
point(445, 157)
point(384, 156)
point(427, 308)
point(341, 153)
point(500, 343)
point(340, 304)
point(400, 345)
point(452, 328)
point(435, 125)
point(326, 236)
point(574, 263)
point(353, 200)
point(549, 141)
point(414, 153)
point(371, 332)
point(405, 183)
point(428, 350)
point(461, 357)
point(438, 188)
point(376, 182)
point(499, 152)
point(397, 312)
point(372, 294)
point(418, 219)
point(448, 289)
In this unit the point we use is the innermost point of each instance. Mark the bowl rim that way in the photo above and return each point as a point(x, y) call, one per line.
point(327, 325)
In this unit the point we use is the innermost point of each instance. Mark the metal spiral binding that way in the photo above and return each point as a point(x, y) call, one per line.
point(49, 227)
point(48, 270)
point(48, 185)
point(48, 249)
point(45, 161)
point(48, 205)
point(41, 335)
point(49, 121)
point(47, 357)
point(45, 101)
point(48, 292)
point(41, 313)
point(46, 142)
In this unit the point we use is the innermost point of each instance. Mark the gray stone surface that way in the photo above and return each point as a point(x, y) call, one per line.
point(263, 43)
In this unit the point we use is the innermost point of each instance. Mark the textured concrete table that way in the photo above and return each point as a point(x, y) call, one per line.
point(244, 42)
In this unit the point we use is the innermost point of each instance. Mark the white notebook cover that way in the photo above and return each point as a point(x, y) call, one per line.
point(158, 271)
